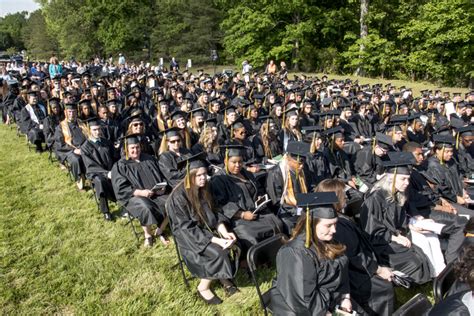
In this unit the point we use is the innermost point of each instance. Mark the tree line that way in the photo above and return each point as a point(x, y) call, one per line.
point(403, 39)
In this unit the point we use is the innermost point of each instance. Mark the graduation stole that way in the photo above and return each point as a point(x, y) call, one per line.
point(290, 198)
point(66, 132)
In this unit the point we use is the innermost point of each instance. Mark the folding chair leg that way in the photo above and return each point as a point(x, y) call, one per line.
point(130, 222)
point(180, 263)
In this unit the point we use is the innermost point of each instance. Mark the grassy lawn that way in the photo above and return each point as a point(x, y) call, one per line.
point(58, 256)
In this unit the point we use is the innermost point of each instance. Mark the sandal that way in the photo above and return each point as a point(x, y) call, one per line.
point(159, 234)
point(215, 300)
point(149, 242)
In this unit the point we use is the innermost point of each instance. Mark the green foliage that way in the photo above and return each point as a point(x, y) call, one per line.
point(10, 31)
point(38, 43)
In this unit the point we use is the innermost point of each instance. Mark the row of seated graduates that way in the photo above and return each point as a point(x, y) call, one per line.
point(338, 147)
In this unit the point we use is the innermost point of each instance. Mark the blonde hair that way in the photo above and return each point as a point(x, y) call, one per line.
point(208, 142)
point(385, 184)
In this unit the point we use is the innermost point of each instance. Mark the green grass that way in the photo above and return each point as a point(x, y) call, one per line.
point(58, 256)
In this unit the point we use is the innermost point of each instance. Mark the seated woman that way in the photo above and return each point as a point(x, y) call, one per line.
point(312, 273)
point(284, 181)
point(318, 164)
point(135, 124)
point(55, 116)
point(235, 192)
point(291, 128)
point(370, 283)
point(266, 143)
point(133, 179)
point(172, 150)
point(201, 233)
point(208, 143)
point(383, 217)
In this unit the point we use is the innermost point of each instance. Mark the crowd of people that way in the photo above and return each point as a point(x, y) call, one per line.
point(371, 183)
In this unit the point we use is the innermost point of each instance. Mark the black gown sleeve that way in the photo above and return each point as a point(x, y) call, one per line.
point(169, 168)
point(220, 192)
point(122, 187)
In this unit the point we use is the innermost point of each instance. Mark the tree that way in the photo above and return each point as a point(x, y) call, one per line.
point(364, 31)
point(38, 43)
point(10, 31)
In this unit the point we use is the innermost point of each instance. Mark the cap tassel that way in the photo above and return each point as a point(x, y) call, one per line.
point(396, 109)
point(441, 159)
point(313, 144)
point(227, 161)
point(457, 141)
point(188, 177)
point(125, 149)
point(373, 145)
point(297, 172)
point(308, 228)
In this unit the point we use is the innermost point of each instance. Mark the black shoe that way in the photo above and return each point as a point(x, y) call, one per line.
point(108, 217)
point(213, 301)
point(231, 290)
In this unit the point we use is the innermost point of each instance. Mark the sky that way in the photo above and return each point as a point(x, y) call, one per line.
point(13, 6)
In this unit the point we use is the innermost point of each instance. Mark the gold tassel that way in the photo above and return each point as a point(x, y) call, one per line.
point(396, 109)
point(188, 177)
point(125, 149)
point(373, 145)
point(457, 141)
point(297, 169)
point(313, 145)
point(441, 160)
point(227, 161)
point(308, 228)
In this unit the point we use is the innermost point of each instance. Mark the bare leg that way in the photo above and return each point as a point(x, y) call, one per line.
point(159, 232)
point(204, 288)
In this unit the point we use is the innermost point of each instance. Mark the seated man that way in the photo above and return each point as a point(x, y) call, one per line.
point(134, 179)
point(368, 164)
point(31, 122)
point(99, 156)
point(69, 137)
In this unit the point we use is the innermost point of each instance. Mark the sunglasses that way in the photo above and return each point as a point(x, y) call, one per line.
point(137, 124)
point(174, 141)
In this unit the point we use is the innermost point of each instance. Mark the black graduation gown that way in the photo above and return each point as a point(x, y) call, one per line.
point(275, 188)
point(318, 167)
point(374, 294)
point(418, 137)
point(99, 158)
point(64, 152)
point(466, 160)
point(286, 136)
point(446, 177)
point(363, 126)
point(129, 175)
point(204, 259)
point(368, 165)
point(233, 194)
point(305, 284)
point(260, 156)
point(339, 164)
point(30, 127)
point(381, 218)
point(451, 305)
point(168, 162)
point(49, 127)
point(215, 159)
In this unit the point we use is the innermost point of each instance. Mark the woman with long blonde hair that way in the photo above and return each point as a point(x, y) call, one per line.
point(291, 127)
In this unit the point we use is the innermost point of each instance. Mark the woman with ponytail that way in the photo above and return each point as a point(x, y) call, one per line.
point(204, 240)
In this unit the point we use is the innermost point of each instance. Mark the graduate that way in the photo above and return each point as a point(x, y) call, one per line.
point(290, 177)
point(99, 157)
point(69, 136)
point(444, 171)
point(465, 150)
point(171, 151)
point(208, 143)
point(235, 191)
point(291, 129)
point(206, 244)
point(383, 218)
point(312, 270)
point(31, 121)
point(317, 163)
point(369, 161)
point(55, 115)
point(266, 143)
point(370, 283)
point(134, 178)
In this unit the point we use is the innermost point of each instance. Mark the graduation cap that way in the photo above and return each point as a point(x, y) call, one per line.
point(171, 132)
point(383, 141)
point(398, 163)
point(444, 141)
point(466, 130)
point(198, 112)
point(54, 100)
point(335, 132)
point(212, 122)
point(70, 106)
point(232, 151)
point(32, 93)
point(317, 205)
point(111, 102)
point(297, 150)
point(178, 114)
point(311, 133)
point(131, 139)
point(192, 162)
point(92, 122)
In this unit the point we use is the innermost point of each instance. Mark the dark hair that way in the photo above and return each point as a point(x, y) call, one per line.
point(469, 228)
point(464, 267)
point(411, 146)
point(196, 196)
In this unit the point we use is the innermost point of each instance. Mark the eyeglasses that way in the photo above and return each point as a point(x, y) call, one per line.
point(174, 141)
point(137, 124)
